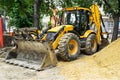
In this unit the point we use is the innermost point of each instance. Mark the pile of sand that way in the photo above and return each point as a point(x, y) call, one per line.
point(104, 65)
point(81, 69)
point(109, 56)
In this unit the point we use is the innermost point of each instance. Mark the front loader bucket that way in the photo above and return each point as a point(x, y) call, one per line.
point(31, 54)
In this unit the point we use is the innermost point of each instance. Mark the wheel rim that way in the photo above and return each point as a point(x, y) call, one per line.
point(72, 47)
point(93, 44)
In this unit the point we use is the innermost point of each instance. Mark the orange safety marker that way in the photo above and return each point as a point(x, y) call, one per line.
point(11, 33)
point(1, 34)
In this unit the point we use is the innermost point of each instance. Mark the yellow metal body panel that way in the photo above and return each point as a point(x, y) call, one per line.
point(76, 8)
point(34, 31)
point(67, 28)
point(34, 34)
point(96, 18)
point(44, 37)
point(55, 29)
point(39, 31)
point(55, 43)
point(87, 33)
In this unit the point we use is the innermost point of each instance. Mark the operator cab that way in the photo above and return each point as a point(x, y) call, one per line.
point(78, 18)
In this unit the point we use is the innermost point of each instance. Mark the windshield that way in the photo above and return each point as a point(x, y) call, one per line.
point(69, 18)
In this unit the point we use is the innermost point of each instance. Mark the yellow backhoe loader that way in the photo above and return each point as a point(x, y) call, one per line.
point(80, 30)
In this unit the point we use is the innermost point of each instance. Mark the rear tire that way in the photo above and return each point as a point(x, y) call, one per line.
point(91, 44)
point(69, 47)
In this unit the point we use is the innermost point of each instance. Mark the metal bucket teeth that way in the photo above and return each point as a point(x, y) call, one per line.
point(15, 62)
point(23, 64)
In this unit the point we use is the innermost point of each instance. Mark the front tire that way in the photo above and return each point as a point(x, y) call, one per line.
point(69, 47)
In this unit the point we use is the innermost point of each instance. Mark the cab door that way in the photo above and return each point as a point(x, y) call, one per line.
point(84, 21)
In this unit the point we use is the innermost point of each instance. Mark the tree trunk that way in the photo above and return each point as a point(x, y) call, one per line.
point(116, 27)
point(37, 13)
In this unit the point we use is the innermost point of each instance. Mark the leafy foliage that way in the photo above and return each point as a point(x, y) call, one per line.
point(21, 16)
point(21, 11)
point(81, 3)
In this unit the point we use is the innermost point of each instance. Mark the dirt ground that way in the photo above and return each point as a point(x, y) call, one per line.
point(11, 72)
point(104, 65)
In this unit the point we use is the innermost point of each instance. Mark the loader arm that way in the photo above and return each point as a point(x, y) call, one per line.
point(96, 18)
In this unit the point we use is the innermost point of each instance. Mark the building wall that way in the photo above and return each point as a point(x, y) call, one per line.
point(109, 23)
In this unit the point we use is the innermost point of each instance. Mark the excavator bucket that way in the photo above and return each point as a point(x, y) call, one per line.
point(32, 54)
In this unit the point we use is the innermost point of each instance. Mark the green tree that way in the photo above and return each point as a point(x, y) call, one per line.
point(81, 3)
point(19, 11)
point(25, 12)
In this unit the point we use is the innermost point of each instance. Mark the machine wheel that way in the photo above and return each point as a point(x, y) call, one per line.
point(91, 44)
point(69, 47)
